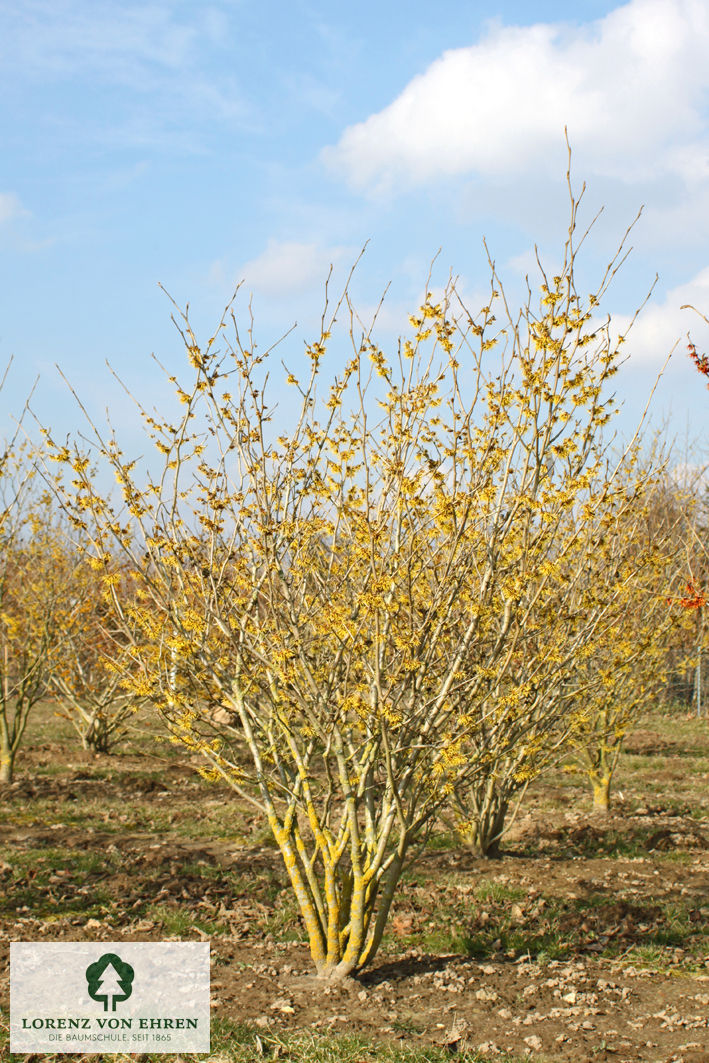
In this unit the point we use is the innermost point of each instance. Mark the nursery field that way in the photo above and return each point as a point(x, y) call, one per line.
point(588, 940)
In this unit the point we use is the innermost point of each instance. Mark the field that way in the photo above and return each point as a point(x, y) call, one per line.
point(588, 940)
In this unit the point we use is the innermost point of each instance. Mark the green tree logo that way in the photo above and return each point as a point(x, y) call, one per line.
point(110, 979)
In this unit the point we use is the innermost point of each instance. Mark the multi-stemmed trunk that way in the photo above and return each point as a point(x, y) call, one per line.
point(343, 843)
point(601, 760)
point(482, 811)
point(7, 763)
point(13, 723)
point(601, 784)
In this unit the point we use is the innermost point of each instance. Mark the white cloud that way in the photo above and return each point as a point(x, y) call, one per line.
point(288, 268)
point(690, 476)
point(115, 39)
point(10, 208)
point(150, 49)
point(630, 88)
point(663, 325)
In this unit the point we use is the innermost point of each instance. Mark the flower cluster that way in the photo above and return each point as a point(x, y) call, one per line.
point(700, 360)
point(694, 599)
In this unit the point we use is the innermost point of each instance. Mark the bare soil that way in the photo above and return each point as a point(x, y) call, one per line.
point(586, 941)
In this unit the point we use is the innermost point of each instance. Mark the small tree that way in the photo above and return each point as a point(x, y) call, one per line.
point(533, 707)
point(36, 574)
point(326, 583)
point(697, 596)
point(688, 603)
point(88, 673)
point(626, 667)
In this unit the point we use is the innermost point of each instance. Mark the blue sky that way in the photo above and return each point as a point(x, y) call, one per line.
point(199, 144)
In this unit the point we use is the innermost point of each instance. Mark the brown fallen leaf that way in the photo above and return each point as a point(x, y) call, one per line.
point(402, 924)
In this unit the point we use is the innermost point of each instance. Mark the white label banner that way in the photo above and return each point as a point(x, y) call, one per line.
point(99, 996)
